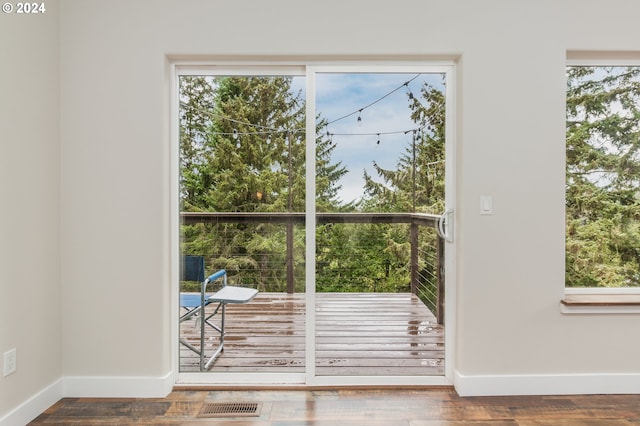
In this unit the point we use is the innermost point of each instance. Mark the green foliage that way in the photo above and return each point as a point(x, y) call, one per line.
point(603, 175)
point(362, 258)
point(242, 149)
point(377, 258)
point(417, 183)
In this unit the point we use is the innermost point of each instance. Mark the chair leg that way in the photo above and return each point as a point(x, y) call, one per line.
point(202, 321)
point(190, 346)
point(220, 349)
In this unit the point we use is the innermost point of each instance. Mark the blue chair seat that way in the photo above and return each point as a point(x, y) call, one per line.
point(190, 300)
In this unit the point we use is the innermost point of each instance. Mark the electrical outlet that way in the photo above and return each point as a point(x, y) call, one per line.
point(9, 361)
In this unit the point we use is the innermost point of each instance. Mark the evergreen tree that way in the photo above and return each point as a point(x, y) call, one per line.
point(327, 174)
point(246, 153)
point(603, 176)
point(196, 100)
point(376, 258)
point(417, 183)
point(258, 140)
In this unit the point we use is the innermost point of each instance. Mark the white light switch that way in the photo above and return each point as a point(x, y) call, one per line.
point(486, 204)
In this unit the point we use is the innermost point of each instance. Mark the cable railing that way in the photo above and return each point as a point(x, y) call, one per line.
point(355, 252)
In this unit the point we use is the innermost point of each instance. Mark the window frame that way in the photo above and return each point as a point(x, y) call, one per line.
point(600, 300)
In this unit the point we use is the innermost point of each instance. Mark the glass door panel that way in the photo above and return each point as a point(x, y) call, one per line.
point(380, 179)
point(242, 202)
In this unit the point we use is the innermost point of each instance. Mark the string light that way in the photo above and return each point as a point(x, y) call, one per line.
point(266, 130)
point(397, 132)
point(409, 92)
point(359, 111)
point(235, 136)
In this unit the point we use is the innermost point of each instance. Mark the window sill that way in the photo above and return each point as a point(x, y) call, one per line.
point(600, 301)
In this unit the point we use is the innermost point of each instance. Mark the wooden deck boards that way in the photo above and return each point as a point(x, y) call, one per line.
point(356, 334)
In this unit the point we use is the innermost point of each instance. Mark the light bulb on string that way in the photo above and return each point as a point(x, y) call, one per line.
point(235, 137)
point(298, 140)
point(268, 139)
point(330, 138)
point(409, 92)
point(360, 118)
point(378, 142)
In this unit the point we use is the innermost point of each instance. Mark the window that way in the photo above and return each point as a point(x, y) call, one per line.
point(602, 177)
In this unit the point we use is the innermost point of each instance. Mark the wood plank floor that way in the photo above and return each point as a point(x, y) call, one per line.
point(356, 334)
point(373, 407)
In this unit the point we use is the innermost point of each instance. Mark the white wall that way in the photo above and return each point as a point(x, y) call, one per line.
point(115, 168)
point(30, 316)
point(114, 191)
point(510, 128)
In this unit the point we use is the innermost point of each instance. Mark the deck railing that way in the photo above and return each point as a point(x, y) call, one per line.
point(426, 261)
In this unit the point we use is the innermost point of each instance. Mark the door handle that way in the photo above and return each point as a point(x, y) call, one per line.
point(445, 226)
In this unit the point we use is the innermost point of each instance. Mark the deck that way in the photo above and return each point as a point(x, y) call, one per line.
point(356, 334)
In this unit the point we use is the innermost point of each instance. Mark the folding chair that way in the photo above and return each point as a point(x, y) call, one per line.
point(195, 304)
point(191, 269)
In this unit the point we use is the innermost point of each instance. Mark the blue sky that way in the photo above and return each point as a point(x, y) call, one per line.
point(338, 95)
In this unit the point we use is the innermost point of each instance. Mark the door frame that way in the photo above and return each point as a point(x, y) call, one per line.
point(309, 70)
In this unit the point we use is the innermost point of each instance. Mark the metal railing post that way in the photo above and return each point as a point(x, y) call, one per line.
point(413, 237)
point(289, 258)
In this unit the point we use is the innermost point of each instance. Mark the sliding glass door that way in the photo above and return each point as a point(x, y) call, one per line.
point(321, 187)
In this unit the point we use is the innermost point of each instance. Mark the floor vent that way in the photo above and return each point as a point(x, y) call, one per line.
point(230, 409)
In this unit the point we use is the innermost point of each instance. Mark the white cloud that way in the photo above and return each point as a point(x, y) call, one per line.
point(338, 95)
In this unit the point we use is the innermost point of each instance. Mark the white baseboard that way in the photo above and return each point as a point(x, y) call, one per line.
point(465, 385)
point(118, 387)
point(34, 406)
point(547, 384)
point(89, 387)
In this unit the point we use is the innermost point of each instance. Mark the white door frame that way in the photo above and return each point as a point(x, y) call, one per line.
point(310, 69)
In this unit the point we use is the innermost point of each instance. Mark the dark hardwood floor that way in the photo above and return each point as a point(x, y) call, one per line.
point(373, 407)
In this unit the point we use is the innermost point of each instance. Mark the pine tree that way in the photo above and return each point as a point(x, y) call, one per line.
point(249, 157)
point(417, 183)
point(603, 176)
point(196, 100)
point(356, 257)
